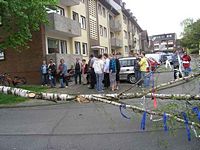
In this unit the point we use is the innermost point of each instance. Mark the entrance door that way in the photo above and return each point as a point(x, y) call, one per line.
point(96, 52)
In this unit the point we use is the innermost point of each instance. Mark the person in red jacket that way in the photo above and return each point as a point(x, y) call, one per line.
point(186, 63)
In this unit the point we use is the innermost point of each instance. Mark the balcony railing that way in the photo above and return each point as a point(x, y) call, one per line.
point(115, 26)
point(116, 43)
point(70, 2)
point(63, 26)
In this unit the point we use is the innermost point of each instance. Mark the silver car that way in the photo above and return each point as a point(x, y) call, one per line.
point(127, 69)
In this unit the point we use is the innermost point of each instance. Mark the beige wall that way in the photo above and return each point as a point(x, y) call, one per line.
point(81, 10)
point(137, 36)
point(104, 22)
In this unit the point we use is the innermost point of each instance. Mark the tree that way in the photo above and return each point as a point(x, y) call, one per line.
point(191, 34)
point(18, 19)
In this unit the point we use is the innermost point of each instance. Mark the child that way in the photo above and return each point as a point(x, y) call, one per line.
point(51, 78)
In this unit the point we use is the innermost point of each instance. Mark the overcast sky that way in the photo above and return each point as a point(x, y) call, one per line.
point(163, 16)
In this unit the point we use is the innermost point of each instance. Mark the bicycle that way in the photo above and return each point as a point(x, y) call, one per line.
point(6, 80)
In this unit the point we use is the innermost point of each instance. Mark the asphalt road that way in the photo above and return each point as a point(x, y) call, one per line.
point(92, 126)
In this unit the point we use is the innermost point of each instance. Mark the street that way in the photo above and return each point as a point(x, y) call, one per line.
point(84, 126)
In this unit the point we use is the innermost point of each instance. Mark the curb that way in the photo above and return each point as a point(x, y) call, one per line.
point(33, 105)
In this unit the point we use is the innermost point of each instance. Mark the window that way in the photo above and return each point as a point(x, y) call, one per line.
point(104, 12)
point(105, 32)
point(127, 63)
point(75, 16)
point(110, 17)
point(83, 22)
point(101, 30)
point(170, 42)
point(56, 46)
point(106, 50)
point(83, 1)
point(77, 48)
point(99, 9)
point(129, 35)
point(124, 19)
point(125, 35)
point(126, 49)
point(63, 47)
point(57, 10)
point(169, 35)
point(1, 21)
point(112, 35)
point(53, 45)
point(84, 47)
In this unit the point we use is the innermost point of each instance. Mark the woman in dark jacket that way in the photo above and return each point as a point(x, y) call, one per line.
point(117, 72)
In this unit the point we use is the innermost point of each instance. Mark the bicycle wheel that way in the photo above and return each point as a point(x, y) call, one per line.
point(5, 83)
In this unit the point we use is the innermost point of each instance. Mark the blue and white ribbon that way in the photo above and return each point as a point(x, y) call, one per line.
point(187, 126)
point(165, 122)
point(143, 121)
point(124, 107)
point(196, 111)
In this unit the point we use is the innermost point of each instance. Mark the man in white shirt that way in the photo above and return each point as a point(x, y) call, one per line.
point(98, 69)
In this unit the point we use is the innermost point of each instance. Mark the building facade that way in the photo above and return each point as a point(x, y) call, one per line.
point(77, 28)
point(163, 42)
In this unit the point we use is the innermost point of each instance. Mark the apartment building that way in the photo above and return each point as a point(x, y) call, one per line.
point(77, 28)
point(163, 42)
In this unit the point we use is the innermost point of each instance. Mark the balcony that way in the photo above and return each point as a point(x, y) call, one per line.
point(70, 2)
point(116, 43)
point(115, 26)
point(62, 26)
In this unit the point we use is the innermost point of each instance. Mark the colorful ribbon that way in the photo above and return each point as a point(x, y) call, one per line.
point(154, 102)
point(120, 108)
point(187, 126)
point(196, 111)
point(165, 121)
point(143, 121)
point(153, 92)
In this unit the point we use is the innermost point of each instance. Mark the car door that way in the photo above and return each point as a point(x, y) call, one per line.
point(127, 68)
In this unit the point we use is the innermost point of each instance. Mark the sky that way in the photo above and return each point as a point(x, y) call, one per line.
point(163, 16)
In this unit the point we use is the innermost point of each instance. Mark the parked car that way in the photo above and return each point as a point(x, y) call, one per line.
point(127, 69)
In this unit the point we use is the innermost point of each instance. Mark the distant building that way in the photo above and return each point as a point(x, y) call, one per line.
point(163, 42)
point(145, 41)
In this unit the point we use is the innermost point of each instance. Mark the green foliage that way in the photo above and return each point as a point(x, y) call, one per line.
point(11, 99)
point(20, 18)
point(191, 34)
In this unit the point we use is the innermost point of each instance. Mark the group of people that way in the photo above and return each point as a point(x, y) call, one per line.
point(100, 72)
point(49, 73)
point(104, 72)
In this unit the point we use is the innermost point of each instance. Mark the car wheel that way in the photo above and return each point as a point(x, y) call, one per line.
point(131, 78)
